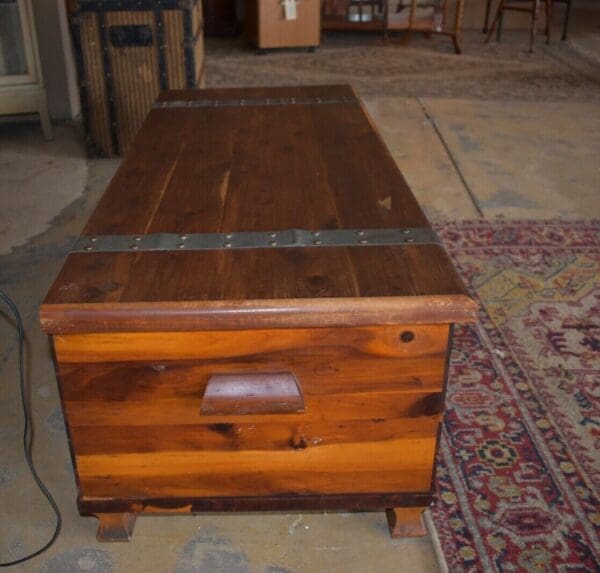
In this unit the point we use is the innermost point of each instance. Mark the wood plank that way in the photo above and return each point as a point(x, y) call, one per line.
point(380, 341)
point(290, 313)
point(306, 502)
point(265, 435)
point(186, 410)
point(325, 372)
point(362, 467)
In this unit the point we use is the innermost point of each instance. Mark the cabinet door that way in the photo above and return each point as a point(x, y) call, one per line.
point(17, 63)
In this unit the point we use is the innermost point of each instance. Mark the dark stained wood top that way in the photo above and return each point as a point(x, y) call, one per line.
point(256, 168)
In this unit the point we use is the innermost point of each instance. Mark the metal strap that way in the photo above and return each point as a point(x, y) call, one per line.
point(291, 238)
point(247, 102)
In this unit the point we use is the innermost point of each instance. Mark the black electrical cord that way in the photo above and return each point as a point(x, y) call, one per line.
point(28, 436)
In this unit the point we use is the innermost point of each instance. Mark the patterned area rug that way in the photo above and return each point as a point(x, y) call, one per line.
point(519, 472)
point(422, 68)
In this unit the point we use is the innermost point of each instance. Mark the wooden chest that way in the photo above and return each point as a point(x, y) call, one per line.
point(127, 52)
point(257, 316)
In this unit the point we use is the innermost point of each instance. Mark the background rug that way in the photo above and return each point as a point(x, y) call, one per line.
point(519, 472)
point(423, 68)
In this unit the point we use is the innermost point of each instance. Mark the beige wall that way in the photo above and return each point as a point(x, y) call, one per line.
point(56, 55)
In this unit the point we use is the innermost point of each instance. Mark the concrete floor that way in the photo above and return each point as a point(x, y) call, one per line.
point(464, 158)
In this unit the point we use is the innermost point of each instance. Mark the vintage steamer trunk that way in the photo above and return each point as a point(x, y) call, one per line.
point(127, 52)
point(257, 316)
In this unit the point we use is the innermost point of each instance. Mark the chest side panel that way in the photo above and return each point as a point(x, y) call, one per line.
point(372, 407)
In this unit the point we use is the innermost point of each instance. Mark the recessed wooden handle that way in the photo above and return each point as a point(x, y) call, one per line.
point(252, 393)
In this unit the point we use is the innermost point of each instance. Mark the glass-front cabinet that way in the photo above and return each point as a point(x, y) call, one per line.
point(21, 85)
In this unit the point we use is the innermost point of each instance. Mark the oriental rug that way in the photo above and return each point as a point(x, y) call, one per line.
point(519, 461)
point(423, 68)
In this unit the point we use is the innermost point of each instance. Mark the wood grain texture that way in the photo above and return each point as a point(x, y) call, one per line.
point(285, 313)
point(306, 502)
point(115, 527)
point(406, 522)
point(252, 393)
point(374, 341)
point(263, 435)
point(145, 342)
point(402, 464)
point(255, 168)
point(372, 408)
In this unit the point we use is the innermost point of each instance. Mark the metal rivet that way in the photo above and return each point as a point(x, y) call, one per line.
point(272, 235)
point(405, 231)
point(316, 233)
point(135, 247)
point(317, 242)
point(362, 241)
point(407, 336)
point(227, 245)
point(360, 233)
point(180, 245)
point(93, 239)
point(228, 236)
point(272, 243)
point(89, 248)
point(137, 238)
point(183, 237)
point(409, 240)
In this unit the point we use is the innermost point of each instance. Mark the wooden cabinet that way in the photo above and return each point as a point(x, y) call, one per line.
point(268, 26)
point(257, 316)
point(429, 16)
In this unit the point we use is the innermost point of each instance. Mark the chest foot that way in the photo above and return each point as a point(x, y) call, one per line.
point(406, 522)
point(115, 526)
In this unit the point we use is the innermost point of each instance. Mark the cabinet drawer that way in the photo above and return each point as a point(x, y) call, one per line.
point(372, 402)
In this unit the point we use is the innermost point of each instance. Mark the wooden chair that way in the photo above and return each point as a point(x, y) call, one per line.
point(519, 6)
point(567, 17)
point(531, 6)
point(427, 26)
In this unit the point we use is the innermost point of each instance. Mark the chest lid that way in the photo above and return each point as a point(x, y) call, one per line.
point(259, 207)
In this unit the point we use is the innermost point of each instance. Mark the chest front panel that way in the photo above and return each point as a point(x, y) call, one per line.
point(372, 402)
